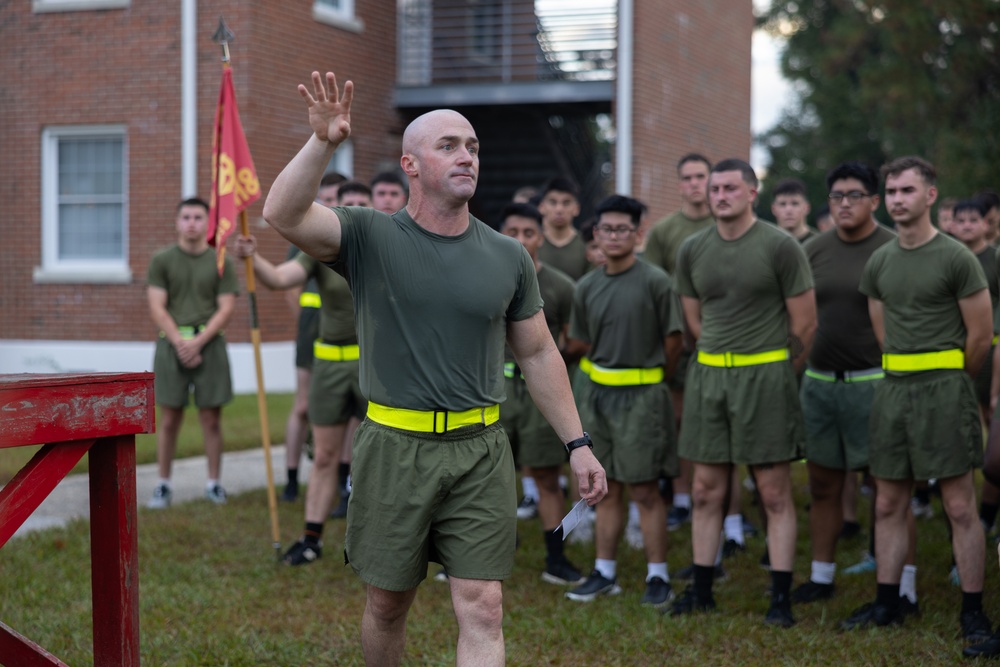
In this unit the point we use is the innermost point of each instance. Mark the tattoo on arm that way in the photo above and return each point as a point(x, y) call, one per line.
point(795, 346)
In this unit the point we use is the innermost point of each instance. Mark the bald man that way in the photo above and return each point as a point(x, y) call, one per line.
point(436, 295)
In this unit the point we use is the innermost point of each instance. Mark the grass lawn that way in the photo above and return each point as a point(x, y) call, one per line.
point(212, 594)
point(240, 428)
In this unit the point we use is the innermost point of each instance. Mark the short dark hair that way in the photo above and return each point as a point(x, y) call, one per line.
point(347, 187)
point(522, 210)
point(390, 177)
point(822, 212)
point(560, 184)
point(790, 186)
point(974, 204)
point(333, 178)
point(692, 157)
point(620, 204)
point(735, 164)
point(989, 199)
point(856, 170)
point(193, 201)
point(901, 164)
point(587, 230)
point(526, 192)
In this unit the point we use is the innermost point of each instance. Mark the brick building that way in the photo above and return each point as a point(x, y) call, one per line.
point(107, 107)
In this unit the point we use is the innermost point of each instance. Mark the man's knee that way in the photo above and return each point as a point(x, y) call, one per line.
point(388, 607)
point(647, 494)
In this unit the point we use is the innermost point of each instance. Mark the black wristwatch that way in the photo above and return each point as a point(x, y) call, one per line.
point(585, 441)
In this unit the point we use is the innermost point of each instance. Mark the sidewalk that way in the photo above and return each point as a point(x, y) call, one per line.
point(241, 471)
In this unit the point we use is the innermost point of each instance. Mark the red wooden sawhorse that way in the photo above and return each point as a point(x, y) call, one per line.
point(74, 414)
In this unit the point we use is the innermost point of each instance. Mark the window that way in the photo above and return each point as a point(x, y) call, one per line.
point(338, 13)
point(342, 161)
point(84, 204)
point(39, 6)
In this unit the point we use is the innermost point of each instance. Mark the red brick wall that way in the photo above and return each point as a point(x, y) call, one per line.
point(691, 90)
point(123, 67)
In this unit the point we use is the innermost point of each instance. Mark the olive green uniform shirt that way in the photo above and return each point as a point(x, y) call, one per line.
point(571, 258)
point(336, 313)
point(432, 310)
point(192, 283)
point(556, 289)
point(666, 237)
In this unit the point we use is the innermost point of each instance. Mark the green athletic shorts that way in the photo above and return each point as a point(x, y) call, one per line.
point(305, 338)
point(534, 442)
point(925, 425)
point(335, 393)
point(747, 415)
point(836, 419)
point(632, 429)
point(417, 497)
point(211, 381)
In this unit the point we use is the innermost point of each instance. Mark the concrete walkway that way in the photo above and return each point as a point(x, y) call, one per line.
point(241, 471)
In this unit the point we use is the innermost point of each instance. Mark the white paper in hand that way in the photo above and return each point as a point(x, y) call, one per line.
point(575, 516)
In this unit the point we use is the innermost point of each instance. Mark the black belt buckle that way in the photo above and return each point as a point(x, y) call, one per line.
point(435, 425)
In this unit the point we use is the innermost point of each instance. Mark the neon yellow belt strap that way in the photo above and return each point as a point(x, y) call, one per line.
point(996, 339)
point(586, 365)
point(328, 352)
point(510, 370)
point(734, 359)
point(924, 361)
point(187, 333)
point(431, 421)
point(865, 375)
point(310, 300)
point(625, 377)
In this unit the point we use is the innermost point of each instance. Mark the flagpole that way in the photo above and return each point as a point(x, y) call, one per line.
point(223, 36)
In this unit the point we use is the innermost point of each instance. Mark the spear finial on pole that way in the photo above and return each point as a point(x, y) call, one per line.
point(223, 35)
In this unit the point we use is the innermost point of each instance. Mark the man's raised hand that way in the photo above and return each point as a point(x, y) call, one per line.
point(329, 111)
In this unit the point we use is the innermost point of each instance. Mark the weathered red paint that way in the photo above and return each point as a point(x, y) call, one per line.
point(72, 414)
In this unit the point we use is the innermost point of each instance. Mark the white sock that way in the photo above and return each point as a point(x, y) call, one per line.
point(563, 482)
point(657, 570)
point(530, 488)
point(733, 528)
point(822, 573)
point(633, 514)
point(211, 483)
point(908, 583)
point(164, 481)
point(682, 500)
point(607, 568)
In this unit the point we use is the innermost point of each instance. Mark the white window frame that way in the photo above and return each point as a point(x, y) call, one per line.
point(342, 16)
point(43, 6)
point(54, 269)
point(342, 161)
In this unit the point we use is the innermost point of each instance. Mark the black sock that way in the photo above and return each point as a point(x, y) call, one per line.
point(988, 513)
point(972, 601)
point(781, 583)
point(888, 596)
point(313, 532)
point(703, 577)
point(293, 477)
point(343, 470)
point(553, 545)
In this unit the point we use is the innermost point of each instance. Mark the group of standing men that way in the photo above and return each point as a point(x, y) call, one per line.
point(434, 295)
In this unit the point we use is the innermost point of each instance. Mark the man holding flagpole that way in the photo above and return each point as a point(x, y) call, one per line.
point(436, 294)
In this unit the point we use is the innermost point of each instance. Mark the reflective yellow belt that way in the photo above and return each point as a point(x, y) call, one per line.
point(924, 361)
point(586, 365)
point(625, 377)
point(310, 300)
point(187, 333)
point(328, 352)
point(510, 370)
point(996, 339)
point(431, 421)
point(733, 359)
point(865, 375)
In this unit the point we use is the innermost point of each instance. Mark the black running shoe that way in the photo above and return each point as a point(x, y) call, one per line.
point(870, 614)
point(658, 593)
point(811, 592)
point(690, 602)
point(561, 573)
point(976, 626)
point(303, 553)
point(780, 612)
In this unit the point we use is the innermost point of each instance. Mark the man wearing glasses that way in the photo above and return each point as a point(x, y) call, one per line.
point(844, 366)
point(627, 320)
point(748, 299)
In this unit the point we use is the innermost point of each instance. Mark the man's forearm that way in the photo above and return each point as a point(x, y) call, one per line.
point(295, 188)
point(977, 346)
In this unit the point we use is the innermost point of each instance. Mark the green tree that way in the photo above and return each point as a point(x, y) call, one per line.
point(877, 80)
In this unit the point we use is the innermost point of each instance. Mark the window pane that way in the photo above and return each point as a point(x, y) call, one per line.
point(90, 231)
point(90, 166)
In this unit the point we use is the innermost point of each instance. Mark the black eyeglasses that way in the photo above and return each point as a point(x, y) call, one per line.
point(853, 197)
point(605, 230)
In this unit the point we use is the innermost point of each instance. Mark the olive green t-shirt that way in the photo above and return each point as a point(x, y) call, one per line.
point(556, 289)
point(810, 234)
point(988, 260)
point(666, 236)
point(336, 314)
point(625, 317)
point(192, 282)
point(432, 310)
point(571, 258)
point(845, 340)
point(742, 286)
point(920, 289)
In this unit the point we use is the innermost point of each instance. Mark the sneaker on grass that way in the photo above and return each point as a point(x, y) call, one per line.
point(687, 573)
point(976, 626)
point(561, 573)
point(161, 498)
point(527, 509)
point(812, 592)
point(596, 584)
point(658, 593)
point(690, 602)
point(779, 614)
point(303, 553)
point(677, 517)
point(216, 494)
point(866, 564)
point(871, 614)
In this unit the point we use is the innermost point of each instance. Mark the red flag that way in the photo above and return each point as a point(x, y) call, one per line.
point(234, 179)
